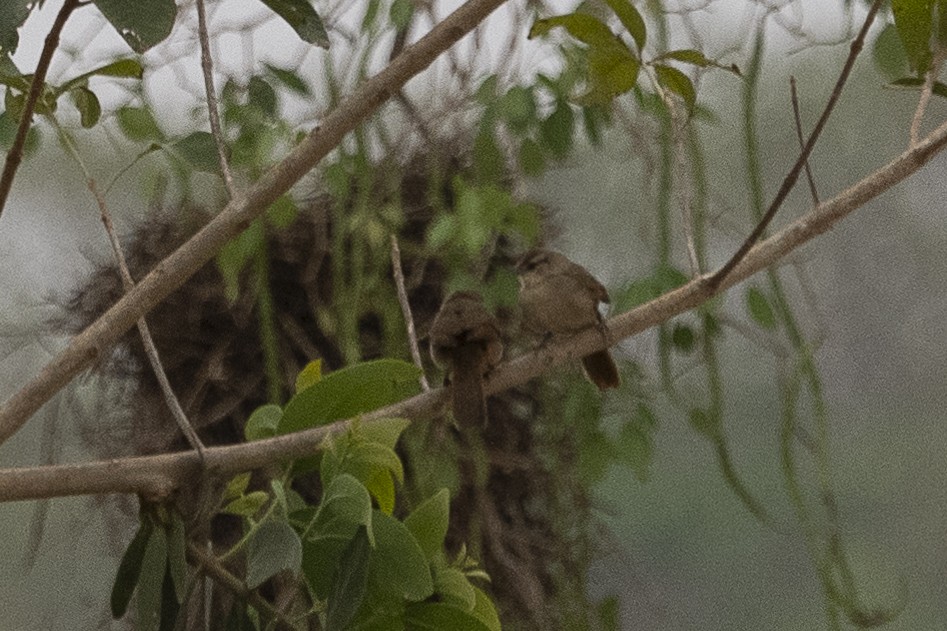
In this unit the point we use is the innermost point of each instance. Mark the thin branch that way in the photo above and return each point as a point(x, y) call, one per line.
point(208, 564)
point(157, 476)
point(406, 310)
point(15, 155)
point(207, 68)
point(794, 97)
point(720, 276)
point(128, 284)
point(926, 91)
point(237, 215)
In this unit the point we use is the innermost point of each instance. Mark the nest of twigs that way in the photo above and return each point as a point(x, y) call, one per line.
point(524, 515)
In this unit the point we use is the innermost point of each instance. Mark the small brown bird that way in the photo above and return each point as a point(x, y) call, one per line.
point(465, 340)
point(559, 296)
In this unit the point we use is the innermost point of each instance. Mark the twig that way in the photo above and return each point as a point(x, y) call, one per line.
point(157, 476)
point(207, 563)
point(406, 310)
point(128, 284)
point(237, 215)
point(802, 141)
point(718, 278)
point(207, 68)
point(15, 155)
point(926, 91)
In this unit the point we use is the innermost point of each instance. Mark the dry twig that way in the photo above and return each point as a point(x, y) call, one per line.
point(15, 155)
point(406, 310)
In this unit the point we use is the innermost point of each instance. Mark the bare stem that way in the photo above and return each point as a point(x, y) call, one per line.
point(15, 155)
point(207, 67)
point(406, 310)
point(793, 175)
point(128, 284)
point(794, 97)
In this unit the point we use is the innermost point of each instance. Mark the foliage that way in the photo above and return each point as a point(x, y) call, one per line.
point(360, 562)
point(360, 567)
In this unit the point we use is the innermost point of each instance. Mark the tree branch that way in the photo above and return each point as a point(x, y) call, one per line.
point(15, 155)
point(157, 476)
point(803, 159)
point(237, 215)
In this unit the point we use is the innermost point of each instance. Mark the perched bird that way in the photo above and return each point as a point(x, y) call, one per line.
point(465, 340)
point(559, 296)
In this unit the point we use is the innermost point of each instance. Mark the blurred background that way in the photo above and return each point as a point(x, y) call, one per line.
point(675, 545)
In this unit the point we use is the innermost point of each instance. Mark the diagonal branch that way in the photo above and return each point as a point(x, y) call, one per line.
point(15, 155)
point(158, 476)
point(237, 215)
point(789, 181)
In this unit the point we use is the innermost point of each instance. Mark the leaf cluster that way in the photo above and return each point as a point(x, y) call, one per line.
point(360, 566)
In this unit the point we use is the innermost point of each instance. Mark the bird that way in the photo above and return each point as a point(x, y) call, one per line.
point(558, 296)
point(465, 340)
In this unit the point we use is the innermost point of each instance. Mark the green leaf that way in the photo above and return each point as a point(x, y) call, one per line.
point(129, 569)
point(441, 231)
point(636, 442)
point(677, 82)
point(914, 83)
point(329, 528)
point(485, 611)
point(344, 503)
point(428, 523)
point(586, 28)
point(141, 24)
point(234, 256)
point(88, 105)
point(697, 58)
point(704, 422)
point(260, 94)
point(247, 505)
point(177, 559)
point(122, 68)
point(290, 79)
point(631, 19)
point(274, 547)
point(348, 585)
point(683, 338)
point(263, 422)
point(441, 616)
point(349, 392)
point(310, 375)
point(282, 213)
point(612, 71)
point(151, 582)
point(914, 21)
point(401, 12)
point(386, 431)
point(200, 151)
point(634, 294)
point(300, 15)
point(531, 158)
point(888, 53)
point(12, 17)
point(138, 124)
point(760, 309)
point(237, 486)
point(556, 131)
point(518, 108)
point(488, 159)
point(398, 566)
point(609, 614)
point(371, 463)
point(454, 588)
point(382, 488)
